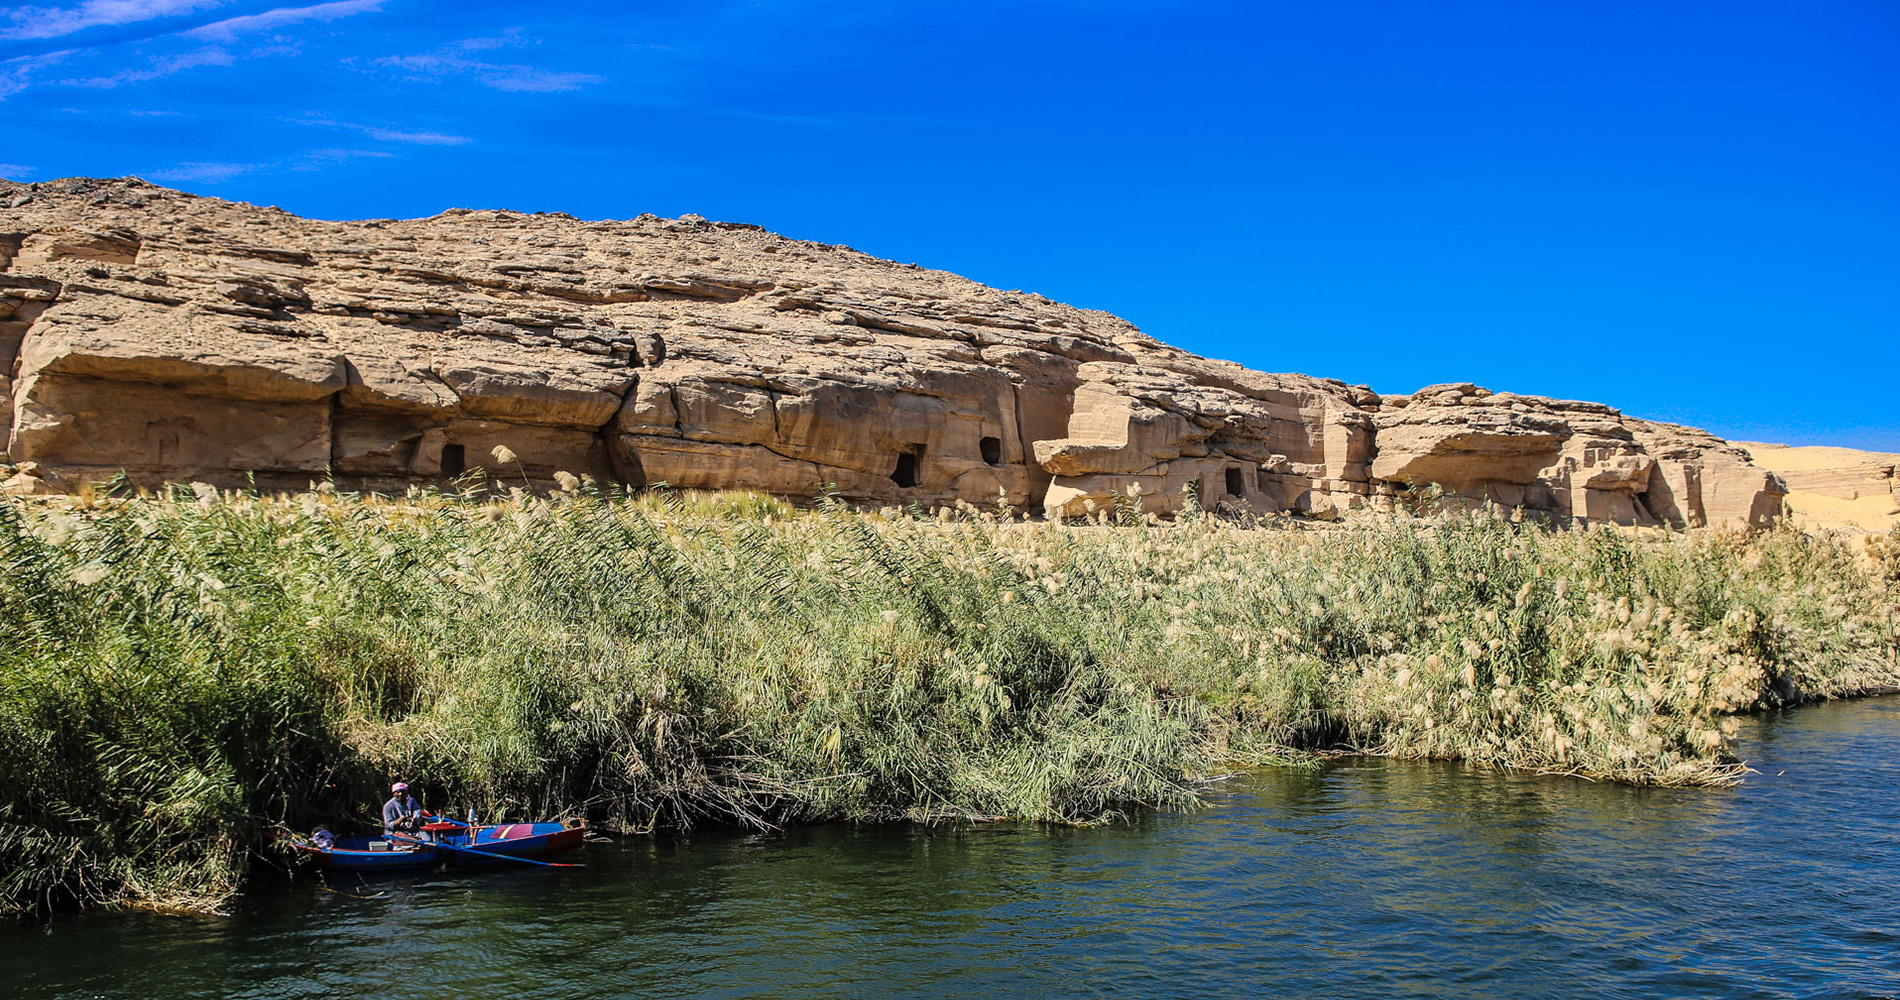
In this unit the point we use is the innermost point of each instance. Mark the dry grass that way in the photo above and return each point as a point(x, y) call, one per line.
point(180, 673)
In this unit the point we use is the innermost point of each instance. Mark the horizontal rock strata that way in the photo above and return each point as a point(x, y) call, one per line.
point(169, 337)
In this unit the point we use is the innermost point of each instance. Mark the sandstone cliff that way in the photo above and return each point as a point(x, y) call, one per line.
point(173, 337)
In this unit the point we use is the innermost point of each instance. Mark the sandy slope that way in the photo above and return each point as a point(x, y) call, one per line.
point(1835, 487)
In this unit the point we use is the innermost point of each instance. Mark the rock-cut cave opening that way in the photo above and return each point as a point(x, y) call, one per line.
point(454, 460)
point(992, 450)
point(908, 461)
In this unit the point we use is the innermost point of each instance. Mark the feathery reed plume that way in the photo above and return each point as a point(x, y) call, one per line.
point(180, 673)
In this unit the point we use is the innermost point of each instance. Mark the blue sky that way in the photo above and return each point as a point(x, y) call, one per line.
point(1689, 210)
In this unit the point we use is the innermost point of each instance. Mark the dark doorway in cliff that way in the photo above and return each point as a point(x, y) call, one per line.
point(454, 460)
point(908, 462)
point(992, 449)
point(1236, 483)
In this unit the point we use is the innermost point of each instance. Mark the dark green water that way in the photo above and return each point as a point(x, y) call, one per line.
point(1366, 879)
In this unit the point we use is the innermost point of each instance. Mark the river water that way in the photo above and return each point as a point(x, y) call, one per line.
point(1364, 879)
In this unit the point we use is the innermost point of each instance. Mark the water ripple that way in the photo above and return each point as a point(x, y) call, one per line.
point(1366, 879)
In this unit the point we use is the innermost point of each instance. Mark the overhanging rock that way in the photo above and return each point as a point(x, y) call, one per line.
point(171, 337)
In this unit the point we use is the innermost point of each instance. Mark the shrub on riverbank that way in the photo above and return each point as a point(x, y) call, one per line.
point(178, 674)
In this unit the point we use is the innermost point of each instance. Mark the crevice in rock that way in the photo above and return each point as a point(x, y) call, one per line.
point(771, 395)
point(619, 459)
point(22, 302)
point(873, 321)
point(623, 460)
point(276, 255)
point(703, 288)
point(332, 404)
point(113, 245)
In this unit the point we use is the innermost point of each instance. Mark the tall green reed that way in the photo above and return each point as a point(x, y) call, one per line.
point(182, 674)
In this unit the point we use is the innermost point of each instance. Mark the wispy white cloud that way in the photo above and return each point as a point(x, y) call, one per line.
point(54, 22)
point(211, 39)
point(331, 155)
point(159, 68)
point(428, 62)
point(215, 173)
point(16, 74)
point(388, 134)
point(210, 173)
point(230, 28)
point(317, 159)
point(537, 81)
point(452, 60)
point(421, 138)
point(508, 38)
point(13, 171)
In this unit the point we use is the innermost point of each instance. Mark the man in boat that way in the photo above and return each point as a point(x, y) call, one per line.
point(402, 814)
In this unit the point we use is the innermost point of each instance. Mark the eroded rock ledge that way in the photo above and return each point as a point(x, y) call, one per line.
point(183, 338)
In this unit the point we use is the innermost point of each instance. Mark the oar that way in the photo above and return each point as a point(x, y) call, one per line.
point(486, 854)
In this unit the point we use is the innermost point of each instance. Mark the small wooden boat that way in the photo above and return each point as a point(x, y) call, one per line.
point(445, 842)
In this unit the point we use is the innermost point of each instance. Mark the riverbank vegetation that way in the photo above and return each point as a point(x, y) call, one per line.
point(181, 675)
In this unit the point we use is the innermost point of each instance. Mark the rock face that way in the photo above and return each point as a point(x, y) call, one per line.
point(171, 337)
point(1580, 460)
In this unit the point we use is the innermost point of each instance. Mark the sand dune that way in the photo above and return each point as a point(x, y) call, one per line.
point(1840, 488)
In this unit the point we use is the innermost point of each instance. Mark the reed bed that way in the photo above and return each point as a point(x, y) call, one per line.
point(181, 675)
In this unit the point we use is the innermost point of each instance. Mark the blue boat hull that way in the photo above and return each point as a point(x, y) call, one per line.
point(497, 844)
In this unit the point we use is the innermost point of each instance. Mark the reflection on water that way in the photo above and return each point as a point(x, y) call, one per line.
point(1366, 879)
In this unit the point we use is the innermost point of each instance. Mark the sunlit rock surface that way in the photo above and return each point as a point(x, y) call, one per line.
point(171, 337)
